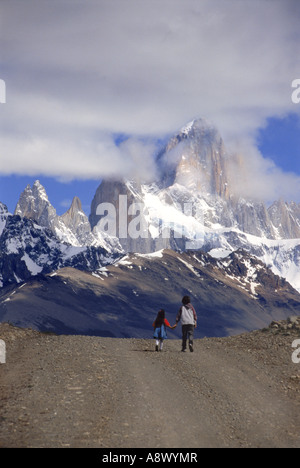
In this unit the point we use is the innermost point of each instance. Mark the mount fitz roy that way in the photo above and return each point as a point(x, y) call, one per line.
point(194, 168)
point(190, 209)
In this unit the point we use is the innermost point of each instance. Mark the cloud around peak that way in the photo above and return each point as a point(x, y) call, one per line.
point(79, 74)
point(254, 177)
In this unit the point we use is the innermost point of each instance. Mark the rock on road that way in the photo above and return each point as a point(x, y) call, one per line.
point(81, 391)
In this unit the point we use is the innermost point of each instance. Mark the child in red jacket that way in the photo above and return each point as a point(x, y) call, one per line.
point(160, 330)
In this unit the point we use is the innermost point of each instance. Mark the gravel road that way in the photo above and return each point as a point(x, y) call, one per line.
point(80, 391)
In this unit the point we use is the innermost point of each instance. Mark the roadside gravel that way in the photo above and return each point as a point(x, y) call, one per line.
point(80, 391)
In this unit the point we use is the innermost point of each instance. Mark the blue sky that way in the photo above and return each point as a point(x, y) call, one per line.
point(79, 73)
point(280, 141)
point(60, 194)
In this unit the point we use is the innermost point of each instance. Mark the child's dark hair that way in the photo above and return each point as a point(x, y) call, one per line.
point(159, 321)
point(186, 300)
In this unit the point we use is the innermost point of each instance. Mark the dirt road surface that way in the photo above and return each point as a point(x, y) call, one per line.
point(80, 391)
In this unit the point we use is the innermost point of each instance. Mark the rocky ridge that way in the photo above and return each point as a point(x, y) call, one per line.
point(28, 249)
point(291, 326)
point(3, 216)
point(72, 227)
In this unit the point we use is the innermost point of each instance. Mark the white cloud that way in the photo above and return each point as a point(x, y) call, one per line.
point(255, 177)
point(68, 160)
point(79, 72)
point(66, 203)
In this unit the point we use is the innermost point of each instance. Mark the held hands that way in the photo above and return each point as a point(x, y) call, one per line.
point(174, 326)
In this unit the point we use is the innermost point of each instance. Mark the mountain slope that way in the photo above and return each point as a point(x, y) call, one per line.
point(121, 300)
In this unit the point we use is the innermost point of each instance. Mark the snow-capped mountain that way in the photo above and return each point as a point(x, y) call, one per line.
point(28, 249)
point(196, 159)
point(190, 206)
point(72, 227)
point(145, 245)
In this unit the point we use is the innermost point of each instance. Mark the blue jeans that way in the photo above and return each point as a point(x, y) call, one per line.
point(187, 334)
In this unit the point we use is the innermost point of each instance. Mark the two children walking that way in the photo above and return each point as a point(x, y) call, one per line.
point(188, 317)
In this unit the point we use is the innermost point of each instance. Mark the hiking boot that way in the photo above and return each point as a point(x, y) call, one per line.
point(156, 348)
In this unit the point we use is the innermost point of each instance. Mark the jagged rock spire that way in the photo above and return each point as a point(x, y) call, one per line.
point(34, 204)
point(196, 159)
